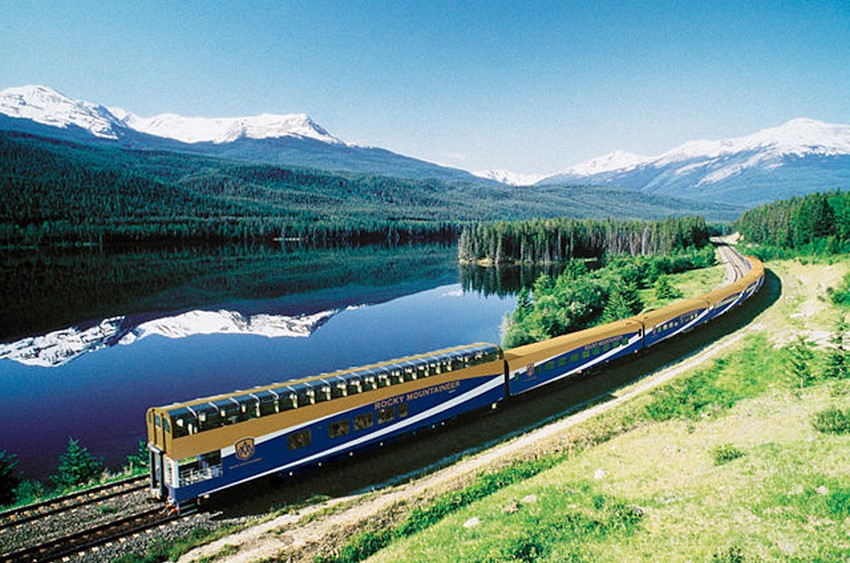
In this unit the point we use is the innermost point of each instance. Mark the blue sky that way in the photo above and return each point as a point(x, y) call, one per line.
point(527, 86)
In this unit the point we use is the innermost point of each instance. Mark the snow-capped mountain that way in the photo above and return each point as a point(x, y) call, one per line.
point(290, 140)
point(617, 160)
point(59, 347)
point(46, 106)
point(226, 129)
point(800, 156)
point(510, 178)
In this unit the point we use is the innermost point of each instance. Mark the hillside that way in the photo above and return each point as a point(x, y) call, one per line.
point(61, 191)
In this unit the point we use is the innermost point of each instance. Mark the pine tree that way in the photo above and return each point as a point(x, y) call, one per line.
point(617, 307)
point(664, 289)
point(76, 466)
point(837, 365)
point(800, 360)
point(9, 479)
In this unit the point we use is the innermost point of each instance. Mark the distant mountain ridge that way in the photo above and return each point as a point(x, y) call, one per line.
point(798, 157)
point(291, 139)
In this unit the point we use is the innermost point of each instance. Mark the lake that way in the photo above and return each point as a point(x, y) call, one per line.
point(91, 339)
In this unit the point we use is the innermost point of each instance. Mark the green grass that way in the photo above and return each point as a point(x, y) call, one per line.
point(689, 284)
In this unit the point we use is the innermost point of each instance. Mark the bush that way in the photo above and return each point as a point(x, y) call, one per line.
point(725, 453)
point(832, 421)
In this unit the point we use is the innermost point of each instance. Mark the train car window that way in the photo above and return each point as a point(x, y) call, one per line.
point(370, 383)
point(422, 371)
point(457, 362)
point(606, 347)
point(338, 428)
point(386, 415)
point(585, 354)
point(299, 440)
point(269, 406)
point(402, 410)
point(383, 380)
point(158, 421)
point(596, 350)
point(363, 421)
point(574, 357)
point(166, 426)
point(339, 389)
point(396, 376)
point(433, 368)
point(409, 373)
point(306, 397)
point(562, 361)
point(180, 429)
point(321, 393)
point(355, 385)
point(624, 341)
point(538, 370)
point(208, 419)
point(550, 365)
point(248, 407)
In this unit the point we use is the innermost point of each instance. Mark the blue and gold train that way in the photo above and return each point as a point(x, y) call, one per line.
point(209, 444)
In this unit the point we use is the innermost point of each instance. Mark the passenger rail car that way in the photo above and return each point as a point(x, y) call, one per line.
point(208, 444)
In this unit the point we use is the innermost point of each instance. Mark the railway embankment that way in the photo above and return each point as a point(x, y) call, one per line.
point(717, 456)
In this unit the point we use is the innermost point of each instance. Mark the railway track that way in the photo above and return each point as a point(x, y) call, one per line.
point(734, 261)
point(76, 542)
point(101, 493)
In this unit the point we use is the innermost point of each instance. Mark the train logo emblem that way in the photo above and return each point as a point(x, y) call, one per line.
point(529, 370)
point(244, 448)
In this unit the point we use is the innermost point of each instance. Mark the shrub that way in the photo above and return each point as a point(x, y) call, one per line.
point(832, 421)
point(725, 453)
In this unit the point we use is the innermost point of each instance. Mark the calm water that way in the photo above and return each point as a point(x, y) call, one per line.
point(88, 362)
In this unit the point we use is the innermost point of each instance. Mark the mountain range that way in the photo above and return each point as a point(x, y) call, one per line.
point(291, 140)
point(798, 157)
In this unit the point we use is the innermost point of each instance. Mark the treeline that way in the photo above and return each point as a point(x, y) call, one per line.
point(554, 240)
point(817, 223)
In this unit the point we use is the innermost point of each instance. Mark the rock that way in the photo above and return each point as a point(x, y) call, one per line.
point(472, 522)
point(511, 508)
point(600, 474)
point(529, 499)
point(822, 490)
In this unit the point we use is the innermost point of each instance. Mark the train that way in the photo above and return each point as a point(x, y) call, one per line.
point(212, 443)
